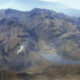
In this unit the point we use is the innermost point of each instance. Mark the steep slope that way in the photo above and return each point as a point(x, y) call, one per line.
point(27, 37)
point(55, 72)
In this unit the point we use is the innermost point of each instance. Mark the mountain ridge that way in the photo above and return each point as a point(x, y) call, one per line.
point(26, 36)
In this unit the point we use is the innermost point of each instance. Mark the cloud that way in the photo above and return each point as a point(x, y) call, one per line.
point(50, 0)
point(14, 4)
point(30, 4)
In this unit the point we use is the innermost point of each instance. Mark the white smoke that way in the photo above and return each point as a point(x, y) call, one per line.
point(20, 49)
point(55, 58)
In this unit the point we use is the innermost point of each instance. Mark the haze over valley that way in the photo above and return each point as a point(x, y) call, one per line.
point(39, 41)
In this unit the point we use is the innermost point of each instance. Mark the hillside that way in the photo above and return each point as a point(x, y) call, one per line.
point(54, 72)
point(26, 38)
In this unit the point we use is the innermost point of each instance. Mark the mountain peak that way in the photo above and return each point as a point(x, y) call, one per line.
point(9, 10)
point(40, 11)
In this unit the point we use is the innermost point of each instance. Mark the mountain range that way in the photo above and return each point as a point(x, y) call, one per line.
point(61, 8)
point(33, 40)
